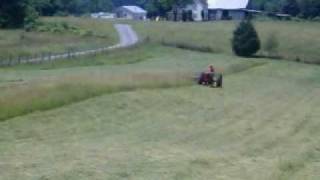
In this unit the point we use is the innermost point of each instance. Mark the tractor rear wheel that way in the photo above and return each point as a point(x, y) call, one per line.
point(220, 81)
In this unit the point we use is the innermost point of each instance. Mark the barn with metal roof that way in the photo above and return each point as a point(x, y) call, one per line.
point(131, 12)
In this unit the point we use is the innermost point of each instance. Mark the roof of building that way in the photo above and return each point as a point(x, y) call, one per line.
point(134, 9)
point(283, 15)
point(253, 11)
point(228, 4)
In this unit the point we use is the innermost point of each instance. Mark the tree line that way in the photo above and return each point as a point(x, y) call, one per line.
point(301, 8)
point(306, 9)
point(16, 13)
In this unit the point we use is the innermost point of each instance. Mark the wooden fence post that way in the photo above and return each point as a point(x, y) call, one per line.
point(19, 59)
point(49, 56)
point(42, 57)
point(28, 59)
point(37, 58)
point(10, 61)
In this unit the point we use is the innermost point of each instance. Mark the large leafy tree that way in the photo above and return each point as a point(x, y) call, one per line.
point(45, 7)
point(291, 7)
point(309, 8)
point(100, 5)
point(161, 7)
point(75, 7)
point(302, 8)
point(14, 13)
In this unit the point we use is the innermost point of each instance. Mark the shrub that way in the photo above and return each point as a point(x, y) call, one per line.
point(245, 40)
point(56, 27)
point(86, 33)
point(30, 20)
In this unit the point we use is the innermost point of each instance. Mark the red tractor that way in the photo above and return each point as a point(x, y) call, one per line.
point(211, 79)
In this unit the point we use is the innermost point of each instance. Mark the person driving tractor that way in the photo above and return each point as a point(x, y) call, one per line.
point(211, 69)
point(207, 75)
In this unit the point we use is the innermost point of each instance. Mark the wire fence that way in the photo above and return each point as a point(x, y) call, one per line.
point(50, 56)
point(128, 38)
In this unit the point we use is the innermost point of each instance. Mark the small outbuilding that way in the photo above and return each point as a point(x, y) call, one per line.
point(131, 12)
point(102, 15)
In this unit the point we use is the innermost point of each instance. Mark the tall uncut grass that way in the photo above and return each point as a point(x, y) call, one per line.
point(43, 95)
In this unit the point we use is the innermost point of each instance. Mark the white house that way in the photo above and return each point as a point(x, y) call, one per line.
point(227, 9)
point(131, 12)
point(218, 9)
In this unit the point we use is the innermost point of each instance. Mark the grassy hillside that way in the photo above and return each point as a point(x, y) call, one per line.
point(262, 125)
point(89, 34)
point(297, 40)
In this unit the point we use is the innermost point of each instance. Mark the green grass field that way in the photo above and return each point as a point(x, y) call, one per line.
point(14, 43)
point(156, 123)
point(297, 40)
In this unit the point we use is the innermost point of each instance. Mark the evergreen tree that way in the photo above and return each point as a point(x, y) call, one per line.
point(245, 40)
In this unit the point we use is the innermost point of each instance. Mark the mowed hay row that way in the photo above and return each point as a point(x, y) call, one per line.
point(52, 93)
point(297, 40)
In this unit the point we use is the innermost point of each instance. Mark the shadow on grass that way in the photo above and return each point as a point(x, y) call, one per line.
point(190, 47)
point(281, 58)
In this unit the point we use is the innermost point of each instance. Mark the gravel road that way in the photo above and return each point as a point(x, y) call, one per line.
point(128, 36)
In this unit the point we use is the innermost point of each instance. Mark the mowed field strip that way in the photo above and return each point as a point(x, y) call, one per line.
point(264, 123)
